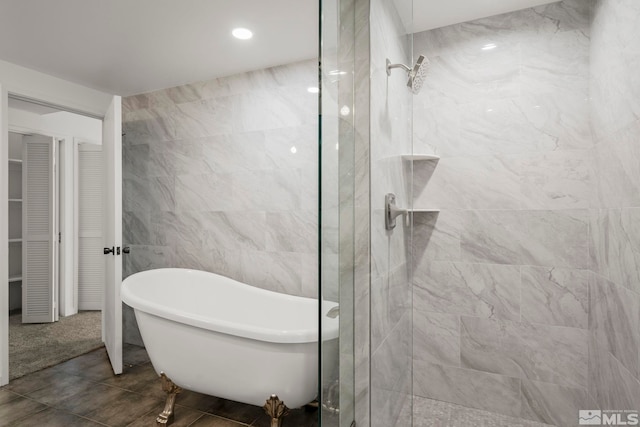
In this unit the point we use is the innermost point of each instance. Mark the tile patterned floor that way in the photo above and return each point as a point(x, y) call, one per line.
point(84, 392)
point(433, 413)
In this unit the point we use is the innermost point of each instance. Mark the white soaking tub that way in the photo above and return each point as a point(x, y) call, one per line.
point(217, 336)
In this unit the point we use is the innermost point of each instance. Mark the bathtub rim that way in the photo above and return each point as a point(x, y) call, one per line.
point(137, 302)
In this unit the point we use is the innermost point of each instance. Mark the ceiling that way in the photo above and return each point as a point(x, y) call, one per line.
point(430, 14)
point(133, 46)
point(127, 47)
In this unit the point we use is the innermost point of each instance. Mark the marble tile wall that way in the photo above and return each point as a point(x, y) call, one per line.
point(390, 286)
point(614, 284)
point(221, 176)
point(502, 273)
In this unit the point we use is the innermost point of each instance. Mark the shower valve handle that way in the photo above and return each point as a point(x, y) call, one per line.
point(391, 211)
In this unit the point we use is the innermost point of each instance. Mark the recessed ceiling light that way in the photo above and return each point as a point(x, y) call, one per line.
point(242, 33)
point(313, 89)
point(489, 46)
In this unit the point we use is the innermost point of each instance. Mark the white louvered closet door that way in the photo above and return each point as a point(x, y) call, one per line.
point(38, 181)
point(90, 225)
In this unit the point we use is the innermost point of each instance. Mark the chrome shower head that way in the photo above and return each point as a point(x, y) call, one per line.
point(417, 74)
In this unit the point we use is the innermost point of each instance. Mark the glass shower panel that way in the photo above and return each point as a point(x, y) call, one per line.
point(336, 150)
point(391, 139)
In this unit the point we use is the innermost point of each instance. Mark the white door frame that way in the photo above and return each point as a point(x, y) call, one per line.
point(4, 235)
point(4, 168)
point(112, 233)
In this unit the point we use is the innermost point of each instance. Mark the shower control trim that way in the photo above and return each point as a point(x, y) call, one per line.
point(391, 211)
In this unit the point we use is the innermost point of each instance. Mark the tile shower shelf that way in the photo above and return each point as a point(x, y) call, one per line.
point(415, 211)
point(414, 157)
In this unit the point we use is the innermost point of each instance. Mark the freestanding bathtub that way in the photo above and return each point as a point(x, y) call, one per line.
point(217, 336)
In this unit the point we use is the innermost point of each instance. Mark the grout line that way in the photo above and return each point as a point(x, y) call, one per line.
point(197, 419)
point(32, 413)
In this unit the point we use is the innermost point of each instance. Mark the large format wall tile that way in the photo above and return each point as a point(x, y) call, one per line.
point(135, 228)
point(436, 236)
point(490, 183)
point(553, 404)
point(615, 52)
point(615, 321)
point(460, 76)
point(147, 130)
point(557, 238)
point(555, 296)
point(436, 337)
point(203, 118)
point(496, 393)
point(615, 245)
point(390, 301)
point(553, 180)
point(234, 230)
point(615, 159)
point(389, 360)
point(537, 352)
point(610, 383)
point(480, 290)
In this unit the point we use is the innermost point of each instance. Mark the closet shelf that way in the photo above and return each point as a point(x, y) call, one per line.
point(16, 200)
point(15, 161)
point(15, 279)
point(15, 240)
point(415, 157)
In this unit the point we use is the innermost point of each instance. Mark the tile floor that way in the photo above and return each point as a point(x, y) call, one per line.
point(84, 392)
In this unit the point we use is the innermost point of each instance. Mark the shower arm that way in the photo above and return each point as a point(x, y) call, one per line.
point(390, 66)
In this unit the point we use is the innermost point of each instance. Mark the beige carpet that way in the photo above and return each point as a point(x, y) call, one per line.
point(39, 345)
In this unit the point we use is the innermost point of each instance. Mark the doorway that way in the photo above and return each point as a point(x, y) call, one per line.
point(49, 307)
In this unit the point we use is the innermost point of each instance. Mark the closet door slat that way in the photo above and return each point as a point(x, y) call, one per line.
point(37, 222)
point(91, 260)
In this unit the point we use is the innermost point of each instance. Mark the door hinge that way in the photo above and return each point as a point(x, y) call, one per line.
point(59, 237)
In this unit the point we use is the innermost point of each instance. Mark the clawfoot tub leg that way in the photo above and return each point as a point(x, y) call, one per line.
point(166, 416)
point(276, 409)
